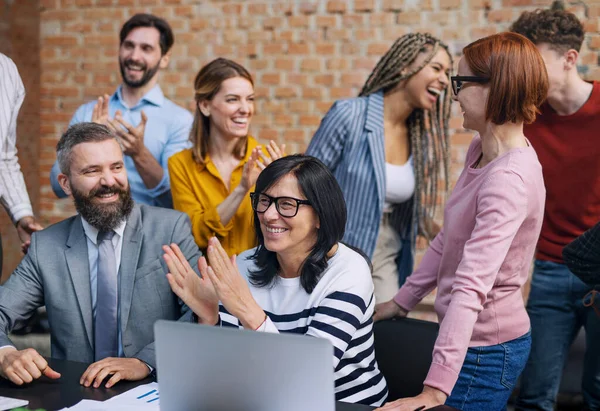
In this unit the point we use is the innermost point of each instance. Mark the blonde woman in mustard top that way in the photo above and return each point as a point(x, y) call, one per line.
point(211, 181)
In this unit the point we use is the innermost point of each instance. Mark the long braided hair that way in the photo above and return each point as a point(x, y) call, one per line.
point(428, 130)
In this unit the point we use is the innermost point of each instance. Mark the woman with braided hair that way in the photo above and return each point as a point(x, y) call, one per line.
point(388, 149)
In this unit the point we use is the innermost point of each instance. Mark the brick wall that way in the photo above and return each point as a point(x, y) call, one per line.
point(19, 39)
point(303, 54)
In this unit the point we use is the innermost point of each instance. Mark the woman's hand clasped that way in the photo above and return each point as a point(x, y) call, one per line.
point(387, 310)
point(196, 292)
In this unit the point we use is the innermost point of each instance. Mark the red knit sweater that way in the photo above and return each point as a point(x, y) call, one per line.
point(568, 148)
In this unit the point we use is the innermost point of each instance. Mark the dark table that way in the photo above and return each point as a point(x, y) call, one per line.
point(66, 392)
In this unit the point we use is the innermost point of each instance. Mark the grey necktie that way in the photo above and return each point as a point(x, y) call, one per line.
point(105, 330)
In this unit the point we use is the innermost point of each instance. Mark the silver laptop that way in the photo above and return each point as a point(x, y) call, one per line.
point(207, 368)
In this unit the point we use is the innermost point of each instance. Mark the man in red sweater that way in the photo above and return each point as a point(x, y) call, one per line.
point(566, 137)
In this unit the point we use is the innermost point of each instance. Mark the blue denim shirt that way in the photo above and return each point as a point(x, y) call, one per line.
point(167, 132)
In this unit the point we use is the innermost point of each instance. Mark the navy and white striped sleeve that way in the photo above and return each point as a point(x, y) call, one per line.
point(327, 143)
point(339, 316)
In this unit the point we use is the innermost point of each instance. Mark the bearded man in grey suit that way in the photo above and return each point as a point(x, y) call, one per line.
point(100, 274)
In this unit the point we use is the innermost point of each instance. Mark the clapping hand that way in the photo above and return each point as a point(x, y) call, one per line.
point(100, 113)
point(130, 137)
point(231, 288)
point(196, 292)
point(258, 161)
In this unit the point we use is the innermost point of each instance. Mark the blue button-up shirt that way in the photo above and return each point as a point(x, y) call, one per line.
point(167, 132)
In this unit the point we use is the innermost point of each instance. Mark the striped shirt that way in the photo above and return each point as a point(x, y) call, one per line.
point(350, 142)
point(339, 309)
point(13, 191)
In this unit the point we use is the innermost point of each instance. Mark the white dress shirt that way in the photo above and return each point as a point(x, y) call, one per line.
point(13, 192)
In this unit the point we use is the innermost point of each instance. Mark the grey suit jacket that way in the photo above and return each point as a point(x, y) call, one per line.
point(55, 272)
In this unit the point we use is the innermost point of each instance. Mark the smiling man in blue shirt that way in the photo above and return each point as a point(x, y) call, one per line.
point(150, 127)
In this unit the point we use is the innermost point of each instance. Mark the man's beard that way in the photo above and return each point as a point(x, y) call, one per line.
point(104, 217)
point(146, 77)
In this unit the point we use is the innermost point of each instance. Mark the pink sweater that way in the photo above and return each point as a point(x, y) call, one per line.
point(481, 259)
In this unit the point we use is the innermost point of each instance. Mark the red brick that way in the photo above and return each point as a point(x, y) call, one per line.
point(273, 107)
point(327, 21)
point(229, 8)
point(60, 41)
point(308, 8)
point(299, 21)
point(338, 34)
point(325, 49)
point(49, 4)
point(295, 136)
point(365, 34)
point(409, 17)
point(450, 4)
point(271, 78)
point(257, 8)
point(594, 43)
point(297, 79)
point(479, 32)
point(500, 16)
point(382, 19)
point(310, 120)
point(324, 79)
point(364, 5)
point(392, 5)
point(311, 64)
point(301, 106)
point(270, 23)
point(298, 48)
point(284, 64)
point(312, 93)
point(353, 79)
point(341, 92)
point(273, 48)
point(337, 64)
point(377, 49)
point(353, 20)
point(336, 6)
point(285, 92)
point(283, 120)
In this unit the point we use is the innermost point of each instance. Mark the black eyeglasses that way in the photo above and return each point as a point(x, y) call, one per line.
point(457, 81)
point(285, 206)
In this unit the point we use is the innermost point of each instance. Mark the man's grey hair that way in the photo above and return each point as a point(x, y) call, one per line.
point(77, 134)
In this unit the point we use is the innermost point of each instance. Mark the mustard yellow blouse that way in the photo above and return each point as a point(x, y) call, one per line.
point(197, 191)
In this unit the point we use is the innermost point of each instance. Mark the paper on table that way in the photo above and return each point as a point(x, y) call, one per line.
point(7, 403)
point(143, 397)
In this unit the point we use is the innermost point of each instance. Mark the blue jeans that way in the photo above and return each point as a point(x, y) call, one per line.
point(557, 313)
point(489, 375)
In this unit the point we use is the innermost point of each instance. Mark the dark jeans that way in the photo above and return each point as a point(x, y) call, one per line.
point(557, 313)
point(489, 375)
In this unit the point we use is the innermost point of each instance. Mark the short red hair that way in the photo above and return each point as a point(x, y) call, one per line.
point(517, 76)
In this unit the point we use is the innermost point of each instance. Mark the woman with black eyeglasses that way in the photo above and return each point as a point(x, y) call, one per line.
point(481, 258)
point(300, 278)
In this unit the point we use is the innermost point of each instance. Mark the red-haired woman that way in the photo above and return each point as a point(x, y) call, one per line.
point(481, 258)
